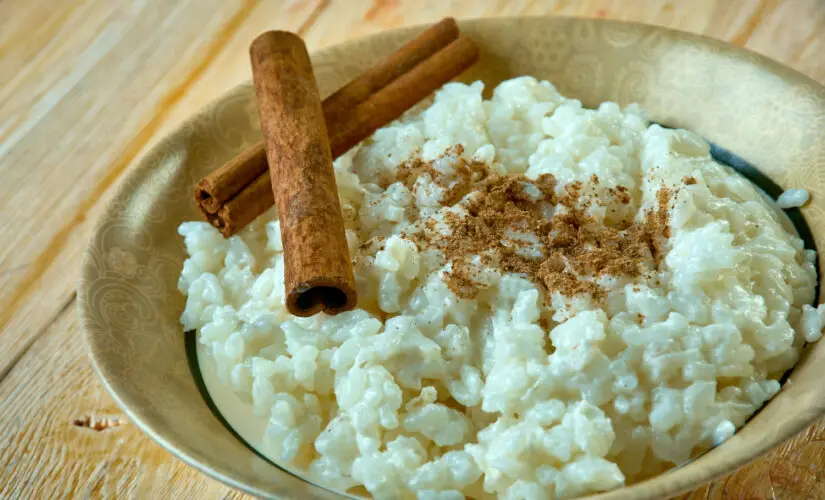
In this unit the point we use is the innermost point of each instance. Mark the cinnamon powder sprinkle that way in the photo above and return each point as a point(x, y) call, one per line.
point(621, 194)
point(460, 182)
point(689, 181)
point(656, 222)
point(506, 228)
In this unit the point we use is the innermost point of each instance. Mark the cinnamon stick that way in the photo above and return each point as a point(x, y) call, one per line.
point(236, 193)
point(391, 67)
point(317, 267)
point(404, 92)
point(227, 181)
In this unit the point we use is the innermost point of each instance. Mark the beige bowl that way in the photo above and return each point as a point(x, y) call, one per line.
point(129, 303)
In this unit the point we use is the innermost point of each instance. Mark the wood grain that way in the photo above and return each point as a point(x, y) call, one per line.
point(70, 158)
point(89, 85)
point(49, 452)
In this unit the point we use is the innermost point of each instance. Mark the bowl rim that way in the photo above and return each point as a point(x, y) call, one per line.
point(136, 174)
point(142, 167)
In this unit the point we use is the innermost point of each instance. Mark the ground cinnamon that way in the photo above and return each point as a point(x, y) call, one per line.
point(504, 227)
point(235, 194)
point(317, 266)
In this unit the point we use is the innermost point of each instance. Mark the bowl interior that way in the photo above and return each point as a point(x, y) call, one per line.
point(129, 305)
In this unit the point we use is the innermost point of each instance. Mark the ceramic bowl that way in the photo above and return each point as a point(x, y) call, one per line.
point(760, 111)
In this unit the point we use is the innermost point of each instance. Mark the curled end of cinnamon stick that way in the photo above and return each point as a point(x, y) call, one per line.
point(203, 197)
point(219, 222)
point(329, 295)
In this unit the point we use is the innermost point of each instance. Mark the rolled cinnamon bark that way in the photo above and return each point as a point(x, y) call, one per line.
point(235, 194)
point(255, 199)
point(317, 266)
point(391, 67)
point(224, 183)
point(404, 92)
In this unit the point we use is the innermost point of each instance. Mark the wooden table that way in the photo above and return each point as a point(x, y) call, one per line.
point(87, 87)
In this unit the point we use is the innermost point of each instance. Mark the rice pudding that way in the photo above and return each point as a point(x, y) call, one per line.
point(553, 301)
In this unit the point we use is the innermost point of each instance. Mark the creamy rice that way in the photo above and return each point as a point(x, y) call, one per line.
point(793, 198)
point(513, 388)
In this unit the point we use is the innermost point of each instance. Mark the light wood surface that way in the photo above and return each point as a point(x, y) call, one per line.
point(86, 88)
